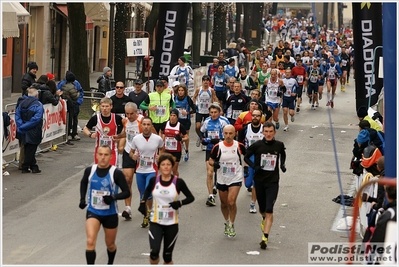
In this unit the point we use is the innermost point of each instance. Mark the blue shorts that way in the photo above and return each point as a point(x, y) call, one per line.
point(289, 103)
point(249, 181)
point(273, 105)
point(313, 88)
point(321, 82)
point(143, 180)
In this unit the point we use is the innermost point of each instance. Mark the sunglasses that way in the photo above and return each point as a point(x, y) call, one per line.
point(119, 87)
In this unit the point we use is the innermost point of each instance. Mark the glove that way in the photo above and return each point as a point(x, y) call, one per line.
point(216, 165)
point(214, 141)
point(204, 142)
point(246, 171)
point(142, 208)
point(178, 138)
point(175, 205)
point(82, 204)
point(108, 199)
point(283, 169)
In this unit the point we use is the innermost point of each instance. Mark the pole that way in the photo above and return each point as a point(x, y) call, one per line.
point(208, 11)
point(111, 35)
point(315, 22)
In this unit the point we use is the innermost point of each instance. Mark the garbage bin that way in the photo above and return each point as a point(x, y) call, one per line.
point(206, 59)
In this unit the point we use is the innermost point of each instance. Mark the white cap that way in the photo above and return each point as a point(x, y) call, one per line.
point(175, 83)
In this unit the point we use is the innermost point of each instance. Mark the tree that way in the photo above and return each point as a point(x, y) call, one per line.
point(78, 59)
point(257, 25)
point(151, 21)
point(196, 40)
point(239, 8)
point(121, 18)
point(219, 23)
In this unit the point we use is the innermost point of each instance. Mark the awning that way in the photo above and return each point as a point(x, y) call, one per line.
point(98, 12)
point(63, 9)
point(13, 13)
point(293, 5)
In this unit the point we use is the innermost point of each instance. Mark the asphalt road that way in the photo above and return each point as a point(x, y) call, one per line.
point(43, 225)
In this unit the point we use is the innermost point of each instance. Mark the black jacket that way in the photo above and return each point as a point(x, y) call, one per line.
point(27, 80)
point(45, 96)
point(104, 84)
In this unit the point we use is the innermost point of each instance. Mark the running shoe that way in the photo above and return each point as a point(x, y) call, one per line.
point(211, 201)
point(249, 189)
point(214, 191)
point(203, 147)
point(145, 223)
point(332, 104)
point(277, 125)
point(286, 128)
point(232, 231)
point(198, 142)
point(298, 109)
point(226, 228)
point(186, 156)
point(292, 118)
point(347, 82)
point(262, 225)
point(313, 107)
point(342, 88)
point(252, 208)
point(317, 104)
point(263, 243)
point(127, 214)
point(328, 103)
point(76, 138)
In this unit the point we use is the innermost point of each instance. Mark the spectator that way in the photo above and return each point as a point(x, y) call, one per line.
point(29, 121)
point(45, 94)
point(50, 76)
point(73, 92)
point(104, 82)
point(363, 115)
point(138, 95)
point(119, 100)
point(30, 77)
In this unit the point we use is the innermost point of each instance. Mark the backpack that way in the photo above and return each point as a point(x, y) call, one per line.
point(70, 91)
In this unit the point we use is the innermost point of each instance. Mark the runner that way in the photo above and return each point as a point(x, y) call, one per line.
point(165, 189)
point(313, 76)
point(225, 157)
point(219, 81)
point(145, 148)
point(273, 95)
point(100, 182)
point(269, 153)
point(238, 102)
point(345, 67)
point(299, 73)
point(333, 73)
point(290, 90)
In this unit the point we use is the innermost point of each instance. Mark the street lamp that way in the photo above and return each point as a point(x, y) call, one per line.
point(111, 35)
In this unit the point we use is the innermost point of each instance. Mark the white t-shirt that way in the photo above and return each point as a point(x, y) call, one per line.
point(147, 150)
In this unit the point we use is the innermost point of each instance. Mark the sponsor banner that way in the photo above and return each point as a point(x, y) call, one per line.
point(170, 38)
point(54, 126)
point(367, 31)
point(137, 47)
point(356, 253)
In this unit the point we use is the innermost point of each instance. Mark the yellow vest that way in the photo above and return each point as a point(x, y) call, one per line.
point(162, 100)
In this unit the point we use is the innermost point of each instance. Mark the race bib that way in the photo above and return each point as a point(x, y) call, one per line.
point(344, 62)
point(130, 133)
point(299, 78)
point(170, 143)
point(204, 105)
point(331, 75)
point(236, 113)
point(252, 139)
point(160, 111)
point(146, 162)
point(97, 201)
point(228, 168)
point(268, 162)
point(219, 82)
point(106, 140)
point(181, 116)
point(272, 93)
point(313, 78)
point(182, 79)
point(165, 213)
point(213, 134)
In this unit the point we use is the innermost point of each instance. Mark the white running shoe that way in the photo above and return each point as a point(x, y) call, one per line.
point(292, 118)
point(286, 128)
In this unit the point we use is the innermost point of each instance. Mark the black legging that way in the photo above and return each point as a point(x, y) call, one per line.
point(266, 194)
point(169, 233)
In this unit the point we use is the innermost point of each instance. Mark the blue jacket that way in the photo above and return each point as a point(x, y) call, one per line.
point(29, 120)
point(78, 87)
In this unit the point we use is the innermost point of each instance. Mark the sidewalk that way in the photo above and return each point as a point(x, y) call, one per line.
point(131, 67)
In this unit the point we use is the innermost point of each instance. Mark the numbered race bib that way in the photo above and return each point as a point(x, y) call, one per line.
point(97, 201)
point(219, 82)
point(106, 140)
point(252, 139)
point(272, 93)
point(130, 133)
point(229, 169)
point(268, 162)
point(121, 114)
point(331, 75)
point(182, 79)
point(165, 213)
point(204, 105)
point(170, 143)
point(160, 111)
point(344, 62)
point(299, 78)
point(313, 78)
point(213, 134)
point(181, 116)
point(236, 113)
point(288, 92)
point(146, 162)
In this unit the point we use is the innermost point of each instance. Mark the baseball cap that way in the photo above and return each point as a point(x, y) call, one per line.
point(138, 81)
point(175, 83)
point(159, 83)
point(163, 78)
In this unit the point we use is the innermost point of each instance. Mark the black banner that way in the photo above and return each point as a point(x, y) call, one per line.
point(171, 35)
point(367, 31)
